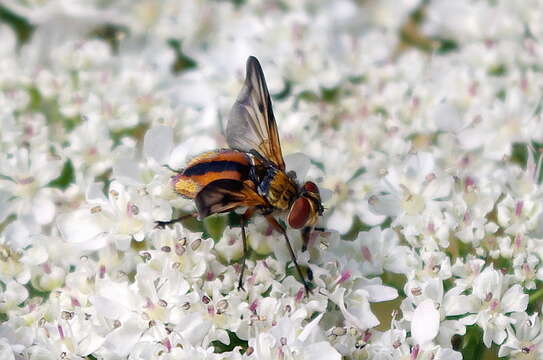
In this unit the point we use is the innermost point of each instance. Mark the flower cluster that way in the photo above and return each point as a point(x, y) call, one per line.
point(420, 120)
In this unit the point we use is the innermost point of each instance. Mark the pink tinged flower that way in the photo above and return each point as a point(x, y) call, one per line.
point(425, 322)
point(299, 295)
point(518, 241)
point(102, 271)
point(518, 208)
point(345, 275)
point(414, 352)
point(46, 268)
point(75, 302)
point(253, 306)
point(60, 332)
point(210, 276)
point(366, 254)
point(524, 339)
point(495, 304)
point(167, 344)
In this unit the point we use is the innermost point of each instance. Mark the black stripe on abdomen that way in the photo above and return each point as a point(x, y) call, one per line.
point(216, 166)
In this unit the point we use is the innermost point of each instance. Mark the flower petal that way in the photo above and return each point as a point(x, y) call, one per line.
point(158, 143)
point(425, 323)
point(321, 351)
point(299, 163)
point(514, 300)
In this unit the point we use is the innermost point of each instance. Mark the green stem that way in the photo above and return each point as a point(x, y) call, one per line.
point(535, 296)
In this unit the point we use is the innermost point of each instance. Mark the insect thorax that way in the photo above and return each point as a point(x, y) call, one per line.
point(276, 187)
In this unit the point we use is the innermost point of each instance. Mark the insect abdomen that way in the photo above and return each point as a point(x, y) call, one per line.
point(208, 167)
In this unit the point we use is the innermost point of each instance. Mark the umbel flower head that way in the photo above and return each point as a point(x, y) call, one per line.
point(420, 122)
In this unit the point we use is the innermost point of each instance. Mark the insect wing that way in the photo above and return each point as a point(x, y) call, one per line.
point(225, 195)
point(251, 124)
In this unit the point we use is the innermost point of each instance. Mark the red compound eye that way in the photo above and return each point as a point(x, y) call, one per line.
point(299, 213)
point(311, 187)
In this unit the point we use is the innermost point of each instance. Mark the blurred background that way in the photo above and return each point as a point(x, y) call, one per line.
point(356, 85)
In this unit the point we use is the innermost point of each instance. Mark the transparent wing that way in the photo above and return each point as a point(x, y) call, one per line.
point(251, 124)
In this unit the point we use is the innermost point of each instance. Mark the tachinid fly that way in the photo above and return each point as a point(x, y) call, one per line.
point(252, 172)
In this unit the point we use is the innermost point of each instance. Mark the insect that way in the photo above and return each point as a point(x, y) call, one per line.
point(251, 173)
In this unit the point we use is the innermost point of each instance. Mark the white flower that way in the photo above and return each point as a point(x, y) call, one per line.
point(524, 338)
point(6, 352)
point(436, 301)
point(12, 295)
point(289, 339)
point(413, 193)
point(518, 216)
point(230, 246)
point(123, 217)
point(425, 322)
point(26, 174)
point(421, 155)
point(467, 271)
point(495, 299)
point(473, 200)
point(355, 304)
point(526, 270)
point(158, 143)
point(377, 250)
point(90, 146)
point(119, 303)
point(391, 344)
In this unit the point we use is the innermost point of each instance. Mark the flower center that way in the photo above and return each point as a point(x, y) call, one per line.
point(366, 254)
point(413, 204)
point(26, 187)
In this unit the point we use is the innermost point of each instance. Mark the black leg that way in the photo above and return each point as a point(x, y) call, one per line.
point(282, 230)
point(306, 232)
point(243, 222)
point(244, 238)
point(163, 224)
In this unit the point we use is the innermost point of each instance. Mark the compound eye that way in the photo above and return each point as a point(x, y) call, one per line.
point(299, 213)
point(311, 187)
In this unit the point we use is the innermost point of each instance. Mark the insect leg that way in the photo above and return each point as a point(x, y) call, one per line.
point(281, 229)
point(163, 224)
point(243, 221)
point(306, 233)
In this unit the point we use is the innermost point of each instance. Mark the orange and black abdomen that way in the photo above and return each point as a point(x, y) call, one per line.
point(210, 166)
